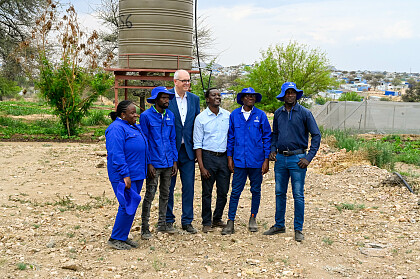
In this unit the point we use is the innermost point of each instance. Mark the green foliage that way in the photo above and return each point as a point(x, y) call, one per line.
point(10, 126)
point(308, 68)
point(327, 240)
point(320, 100)
point(349, 206)
point(382, 153)
point(22, 266)
point(23, 108)
point(68, 87)
point(350, 96)
point(8, 88)
point(412, 94)
point(97, 117)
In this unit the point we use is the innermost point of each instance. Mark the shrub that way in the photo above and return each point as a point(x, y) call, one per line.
point(380, 154)
point(350, 96)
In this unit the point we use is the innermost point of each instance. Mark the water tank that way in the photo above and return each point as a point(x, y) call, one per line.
point(163, 28)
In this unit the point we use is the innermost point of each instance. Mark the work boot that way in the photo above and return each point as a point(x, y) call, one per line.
point(145, 234)
point(299, 236)
point(229, 229)
point(275, 230)
point(252, 226)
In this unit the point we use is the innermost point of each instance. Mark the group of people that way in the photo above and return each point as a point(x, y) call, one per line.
point(173, 134)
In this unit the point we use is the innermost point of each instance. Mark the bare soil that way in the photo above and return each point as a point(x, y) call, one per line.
point(58, 208)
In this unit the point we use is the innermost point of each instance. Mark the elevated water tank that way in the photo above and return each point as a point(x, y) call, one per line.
point(162, 29)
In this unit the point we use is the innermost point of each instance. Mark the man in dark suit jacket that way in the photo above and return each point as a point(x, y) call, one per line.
point(185, 106)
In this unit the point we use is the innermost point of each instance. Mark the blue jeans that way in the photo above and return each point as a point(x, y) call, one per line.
point(285, 168)
point(123, 221)
point(238, 184)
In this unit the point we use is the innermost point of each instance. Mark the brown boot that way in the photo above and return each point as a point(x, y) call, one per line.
point(229, 229)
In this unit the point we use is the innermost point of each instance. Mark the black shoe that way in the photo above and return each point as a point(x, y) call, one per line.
point(229, 229)
point(218, 224)
point(166, 229)
point(275, 230)
point(252, 226)
point(207, 229)
point(299, 236)
point(145, 234)
point(118, 244)
point(189, 228)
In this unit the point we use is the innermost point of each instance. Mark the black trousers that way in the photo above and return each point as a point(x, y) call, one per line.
point(219, 171)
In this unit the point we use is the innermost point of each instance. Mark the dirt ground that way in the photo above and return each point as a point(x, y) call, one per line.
point(58, 208)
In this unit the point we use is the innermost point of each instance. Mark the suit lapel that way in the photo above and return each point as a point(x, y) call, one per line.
point(173, 106)
point(190, 106)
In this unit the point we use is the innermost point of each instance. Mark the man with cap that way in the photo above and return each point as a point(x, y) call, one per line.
point(248, 150)
point(291, 127)
point(185, 106)
point(158, 124)
point(210, 140)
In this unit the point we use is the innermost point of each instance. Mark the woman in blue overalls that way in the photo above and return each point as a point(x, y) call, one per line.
point(127, 162)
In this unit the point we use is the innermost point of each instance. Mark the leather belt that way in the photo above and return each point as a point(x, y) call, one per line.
point(217, 154)
point(291, 152)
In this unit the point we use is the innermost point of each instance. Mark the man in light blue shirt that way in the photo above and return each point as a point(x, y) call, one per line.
point(210, 141)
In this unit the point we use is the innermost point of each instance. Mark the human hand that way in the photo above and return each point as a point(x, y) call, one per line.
point(303, 163)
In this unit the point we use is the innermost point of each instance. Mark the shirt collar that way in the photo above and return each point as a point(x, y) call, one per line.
point(296, 107)
point(243, 111)
point(209, 112)
point(177, 95)
point(154, 108)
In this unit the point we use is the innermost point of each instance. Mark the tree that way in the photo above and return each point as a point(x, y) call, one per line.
point(396, 81)
point(308, 68)
point(412, 94)
point(374, 82)
point(16, 18)
point(68, 74)
point(8, 88)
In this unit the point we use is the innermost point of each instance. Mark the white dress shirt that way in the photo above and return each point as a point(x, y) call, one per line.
point(182, 107)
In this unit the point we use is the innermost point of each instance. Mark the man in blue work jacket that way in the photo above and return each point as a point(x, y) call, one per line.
point(291, 127)
point(248, 150)
point(158, 126)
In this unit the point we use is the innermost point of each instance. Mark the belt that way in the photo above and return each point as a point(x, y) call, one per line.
point(291, 152)
point(217, 154)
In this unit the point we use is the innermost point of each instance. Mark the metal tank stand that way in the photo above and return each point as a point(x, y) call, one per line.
point(124, 75)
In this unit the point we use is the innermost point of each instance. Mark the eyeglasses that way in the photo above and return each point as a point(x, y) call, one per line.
point(184, 80)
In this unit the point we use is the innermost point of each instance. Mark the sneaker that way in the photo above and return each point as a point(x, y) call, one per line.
point(132, 243)
point(207, 229)
point(299, 236)
point(166, 229)
point(146, 234)
point(118, 244)
point(229, 229)
point(189, 228)
point(218, 224)
point(252, 225)
point(275, 230)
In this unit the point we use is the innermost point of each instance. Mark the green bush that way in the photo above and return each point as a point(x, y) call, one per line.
point(320, 100)
point(380, 154)
point(97, 117)
point(350, 96)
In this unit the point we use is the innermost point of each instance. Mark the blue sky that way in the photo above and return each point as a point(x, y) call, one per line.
point(356, 35)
